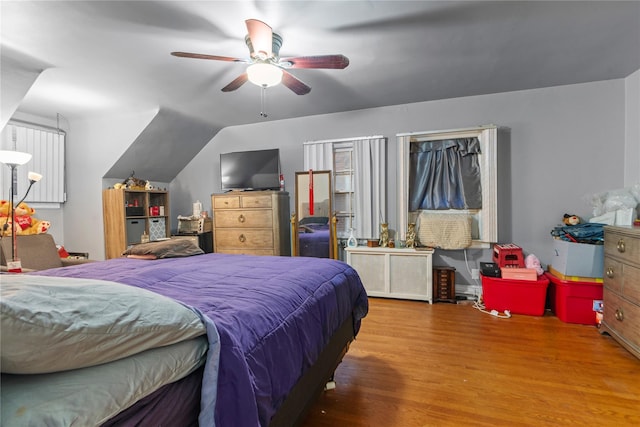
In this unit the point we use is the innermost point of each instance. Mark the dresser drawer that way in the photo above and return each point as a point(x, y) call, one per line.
point(234, 238)
point(622, 317)
point(254, 201)
point(244, 219)
point(612, 274)
point(631, 283)
point(226, 202)
point(622, 246)
point(247, 251)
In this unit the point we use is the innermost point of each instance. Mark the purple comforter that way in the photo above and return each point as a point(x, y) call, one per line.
point(273, 315)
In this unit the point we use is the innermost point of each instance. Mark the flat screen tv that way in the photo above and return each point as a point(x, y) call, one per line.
point(250, 170)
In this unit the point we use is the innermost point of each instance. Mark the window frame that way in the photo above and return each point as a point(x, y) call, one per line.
point(486, 218)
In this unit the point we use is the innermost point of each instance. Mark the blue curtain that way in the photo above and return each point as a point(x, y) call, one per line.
point(445, 174)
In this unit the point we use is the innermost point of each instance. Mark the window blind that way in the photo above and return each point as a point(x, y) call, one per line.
point(47, 146)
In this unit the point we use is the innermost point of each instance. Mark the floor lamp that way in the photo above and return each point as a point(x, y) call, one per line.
point(13, 159)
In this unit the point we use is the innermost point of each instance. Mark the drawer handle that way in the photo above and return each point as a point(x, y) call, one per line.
point(241, 218)
point(610, 272)
point(242, 238)
point(620, 246)
point(619, 315)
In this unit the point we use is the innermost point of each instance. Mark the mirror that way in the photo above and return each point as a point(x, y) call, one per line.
point(313, 224)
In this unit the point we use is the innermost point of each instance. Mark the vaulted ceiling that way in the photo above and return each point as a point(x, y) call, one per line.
point(87, 58)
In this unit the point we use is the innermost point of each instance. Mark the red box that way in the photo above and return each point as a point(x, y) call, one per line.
point(572, 301)
point(514, 273)
point(154, 210)
point(517, 296)
point(508, 255)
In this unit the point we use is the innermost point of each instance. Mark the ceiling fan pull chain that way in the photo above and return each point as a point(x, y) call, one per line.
point(263, 101)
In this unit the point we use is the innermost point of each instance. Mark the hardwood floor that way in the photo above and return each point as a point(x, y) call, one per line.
point(415, 364)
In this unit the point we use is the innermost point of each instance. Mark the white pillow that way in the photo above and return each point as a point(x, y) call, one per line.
point(51, 324)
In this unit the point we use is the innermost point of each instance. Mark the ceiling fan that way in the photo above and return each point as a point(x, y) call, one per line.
point(266, 67)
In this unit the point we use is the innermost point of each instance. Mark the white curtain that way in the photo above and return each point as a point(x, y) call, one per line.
point(318, 156)
point(370, 186)
point(369, 183)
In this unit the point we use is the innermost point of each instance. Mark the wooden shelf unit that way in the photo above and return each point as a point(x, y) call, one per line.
point(126, 215)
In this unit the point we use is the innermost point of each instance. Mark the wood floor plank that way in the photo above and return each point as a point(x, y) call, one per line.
point(415, 364)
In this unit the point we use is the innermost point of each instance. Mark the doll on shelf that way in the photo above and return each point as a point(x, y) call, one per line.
point(411, 236)
point(384, 235)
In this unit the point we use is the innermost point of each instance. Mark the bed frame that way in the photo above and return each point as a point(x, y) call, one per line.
point(306, 391)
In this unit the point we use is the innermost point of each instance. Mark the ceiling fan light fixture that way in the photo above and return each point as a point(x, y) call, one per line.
point(264, 75)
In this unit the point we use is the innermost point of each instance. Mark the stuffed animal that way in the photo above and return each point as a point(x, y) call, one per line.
point(25, 222)
point(5, 217)
point(532, 261)
point(571, 219)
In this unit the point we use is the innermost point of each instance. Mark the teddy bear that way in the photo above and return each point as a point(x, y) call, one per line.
point(5, 217)
point(25, 222)
point(569, 219)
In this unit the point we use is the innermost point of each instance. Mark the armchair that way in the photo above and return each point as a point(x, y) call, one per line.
point(36, 252)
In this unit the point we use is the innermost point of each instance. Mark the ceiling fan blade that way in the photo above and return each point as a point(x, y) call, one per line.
point(236, 83)
point(294, 84)
point(202, 56)
point(261, 37)
point(320, 61)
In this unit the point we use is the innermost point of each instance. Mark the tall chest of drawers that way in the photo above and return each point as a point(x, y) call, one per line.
point(622, 286)
point(252, 222)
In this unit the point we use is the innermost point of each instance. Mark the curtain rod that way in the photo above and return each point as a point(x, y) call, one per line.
point(483, 127)
point(36, 125)
point(342, 139)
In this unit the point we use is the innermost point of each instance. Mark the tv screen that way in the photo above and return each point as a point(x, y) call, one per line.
point(250, 170)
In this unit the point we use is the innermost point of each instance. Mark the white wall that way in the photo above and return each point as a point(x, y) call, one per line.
point(566, 143)
point(632, 130)
point(93, 146)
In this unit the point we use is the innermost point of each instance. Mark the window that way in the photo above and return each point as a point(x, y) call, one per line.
point(485, 219)
point(47, 147)
point(359, 177)
point(343, 194)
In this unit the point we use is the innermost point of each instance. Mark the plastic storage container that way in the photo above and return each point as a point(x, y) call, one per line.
point(517, 296)
point(573, 301)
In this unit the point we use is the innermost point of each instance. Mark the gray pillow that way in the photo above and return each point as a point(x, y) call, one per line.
point(172, 248)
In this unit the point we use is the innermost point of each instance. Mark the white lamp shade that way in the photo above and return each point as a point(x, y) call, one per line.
point(264, 75)
point(14, 158)
point(34, 176)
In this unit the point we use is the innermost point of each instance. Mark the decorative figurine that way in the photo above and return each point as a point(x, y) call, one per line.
point(411, 236)
point(384, 235)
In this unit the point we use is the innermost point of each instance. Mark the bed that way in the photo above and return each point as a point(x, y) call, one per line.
point(265, 334)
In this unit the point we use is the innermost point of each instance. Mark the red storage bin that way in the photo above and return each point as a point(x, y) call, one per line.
point(517, 296)
point(572, 301)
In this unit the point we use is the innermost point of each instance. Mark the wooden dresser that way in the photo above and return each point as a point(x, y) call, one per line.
point(251, 222)
point(622, 286)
